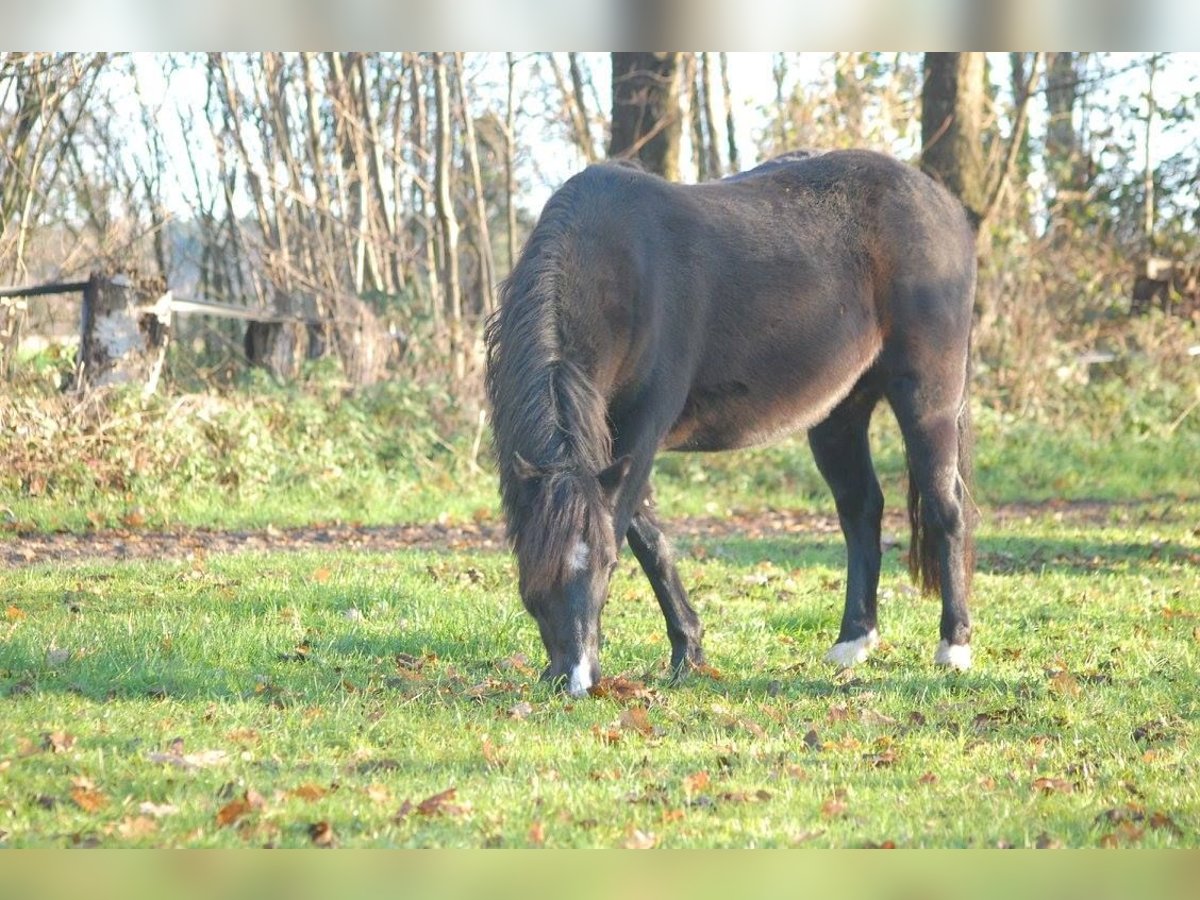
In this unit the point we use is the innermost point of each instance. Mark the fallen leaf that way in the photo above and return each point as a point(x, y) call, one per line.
point(928, 778)
point(378, 793)
point(87, 796)
point(1064, 684)
point(635, 718)
point(321, 575)
point(758, 796)
point(637, 839)
point(135, 518)
point(537, 834)
point(519, 663)
point(834, 807)
point(441, 803)
point(321, 834)
point(520, 711)
point(14, 614)
point(705, 670)
point(239, 808)
point(620, 689)
point(1046, 842)
point(606, 735)
point(1053, 785)
point(57, 741)
point(881, 760)
point(232, 811)
point(492, 754)
point(139, 827)
point(308, 792)
point(812, 740)
point(695, 783)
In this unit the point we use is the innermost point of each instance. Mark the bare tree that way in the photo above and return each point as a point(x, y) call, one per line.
point(646, 117)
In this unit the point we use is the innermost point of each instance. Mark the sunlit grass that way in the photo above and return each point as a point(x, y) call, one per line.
point(347, 688)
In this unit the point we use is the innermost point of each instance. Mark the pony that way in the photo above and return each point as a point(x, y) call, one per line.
point(645, 315)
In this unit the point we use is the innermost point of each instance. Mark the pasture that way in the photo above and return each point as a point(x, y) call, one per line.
point(209, 664)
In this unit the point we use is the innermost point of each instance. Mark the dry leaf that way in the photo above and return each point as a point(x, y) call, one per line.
point(695, 783)
point(321, 834)
point(378, 793)
point(520, 710)
point(881, 760)
point(812, 740)
point(139, 827)
point(232, 811)
point(928, 778)
point(308, 792)
point(14, 614)
point(321, 575)
point(492, 754)
point(1064, 684)
point(57, 741)
point(606, 735)
point(835, 806)
point(620, 689)
point(237, 809)
point(87, 797)
point(640, 840)
point(441, 804)
point(537, 834)
point(1053, 785)
point(636, 719)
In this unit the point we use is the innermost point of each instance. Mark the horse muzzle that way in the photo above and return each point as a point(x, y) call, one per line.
point(575, 679)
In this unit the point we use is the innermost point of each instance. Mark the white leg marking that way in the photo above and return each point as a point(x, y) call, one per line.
point(849, 653)
point(581, 679)
point(579, 557)
point(956, 656)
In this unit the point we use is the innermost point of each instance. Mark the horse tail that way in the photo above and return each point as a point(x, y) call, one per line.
point(924, 562)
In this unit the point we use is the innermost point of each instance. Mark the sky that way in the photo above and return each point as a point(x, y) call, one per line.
point(553, 159)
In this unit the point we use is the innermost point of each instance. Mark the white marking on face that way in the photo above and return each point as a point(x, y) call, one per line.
point(579, 557)
point(956, 656)
point(850, 653)
point(581, 679)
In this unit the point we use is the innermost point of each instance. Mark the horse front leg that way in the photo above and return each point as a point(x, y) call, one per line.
point(657, 560)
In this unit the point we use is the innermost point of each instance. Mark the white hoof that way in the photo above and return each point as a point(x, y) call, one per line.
point(851, 653)
point(955, 656)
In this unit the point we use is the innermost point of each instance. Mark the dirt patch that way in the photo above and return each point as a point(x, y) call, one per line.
point(128, 544)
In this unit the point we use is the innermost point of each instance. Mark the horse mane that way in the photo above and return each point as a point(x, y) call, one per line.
point(549, 423)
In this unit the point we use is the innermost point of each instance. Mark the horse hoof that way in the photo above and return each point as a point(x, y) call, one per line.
point(954, 656)
point(851, 653)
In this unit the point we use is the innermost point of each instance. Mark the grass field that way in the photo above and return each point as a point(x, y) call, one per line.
point(348, 698)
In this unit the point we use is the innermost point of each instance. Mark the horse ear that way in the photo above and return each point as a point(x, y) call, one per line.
point(613, 477)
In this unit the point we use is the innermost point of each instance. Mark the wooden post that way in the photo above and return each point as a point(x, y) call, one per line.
point(125, 329)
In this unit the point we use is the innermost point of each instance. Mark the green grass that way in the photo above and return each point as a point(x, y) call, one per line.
point(1077, 726)
point(293, 698)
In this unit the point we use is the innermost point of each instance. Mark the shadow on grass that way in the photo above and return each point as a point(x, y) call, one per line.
point(996, 555)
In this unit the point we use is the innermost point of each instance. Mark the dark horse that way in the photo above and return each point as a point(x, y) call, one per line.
point(645, 315)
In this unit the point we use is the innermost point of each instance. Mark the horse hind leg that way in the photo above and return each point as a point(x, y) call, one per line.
point(842, 452)
point(934, 421)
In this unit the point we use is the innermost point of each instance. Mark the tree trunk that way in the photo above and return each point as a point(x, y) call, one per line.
point(1063, 163)
point(447, 219)
point(125, 328)
point(646, 120)
point(952, 103)
point(735, 164)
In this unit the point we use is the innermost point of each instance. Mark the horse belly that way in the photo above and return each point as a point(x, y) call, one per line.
point(761, 408)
